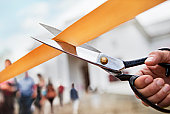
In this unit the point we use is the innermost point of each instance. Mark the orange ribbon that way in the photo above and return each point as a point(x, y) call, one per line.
point(104, 18)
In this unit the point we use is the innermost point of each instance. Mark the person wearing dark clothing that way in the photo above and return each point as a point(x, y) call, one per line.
point(74, 94)
point(51, 94)
point(38, 100)
point(8, 92)
point(7, 106)
point(26, 90)
point(75, 99)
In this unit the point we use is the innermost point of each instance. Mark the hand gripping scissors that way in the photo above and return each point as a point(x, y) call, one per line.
point(113, 66)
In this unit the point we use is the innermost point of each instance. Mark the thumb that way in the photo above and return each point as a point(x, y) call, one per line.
point(158, 56)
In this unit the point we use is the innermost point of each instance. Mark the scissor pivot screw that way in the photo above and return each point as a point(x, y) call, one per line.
point(104, 60)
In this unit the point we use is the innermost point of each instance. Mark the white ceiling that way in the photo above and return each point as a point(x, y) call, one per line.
point(156, 21)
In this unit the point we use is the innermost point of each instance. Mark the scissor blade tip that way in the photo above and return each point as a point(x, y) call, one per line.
point(35, 38)
point(41, 23)
point(32, 37)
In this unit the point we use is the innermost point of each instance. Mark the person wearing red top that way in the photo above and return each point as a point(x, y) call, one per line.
point(60, 94)
point(8, 91)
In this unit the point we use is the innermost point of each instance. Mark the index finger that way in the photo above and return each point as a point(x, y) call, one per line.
point(158, 56)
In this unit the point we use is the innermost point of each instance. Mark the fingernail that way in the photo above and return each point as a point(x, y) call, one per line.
point(166, 88)
point(150, 59)
point(148, 80)
point(160, 82)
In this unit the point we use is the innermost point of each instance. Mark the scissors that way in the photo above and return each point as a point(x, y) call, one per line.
point(112, 65)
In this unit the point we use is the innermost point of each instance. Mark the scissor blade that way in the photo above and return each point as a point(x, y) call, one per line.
point(56, 31)
point(52, 30)
point(79, 52)
point(114, 65)
point(90, 48)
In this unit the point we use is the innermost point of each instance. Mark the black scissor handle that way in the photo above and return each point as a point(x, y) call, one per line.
point(167, 68)
point(136, 62)
point(132, 63)
point(131, 79)
point(132, 85)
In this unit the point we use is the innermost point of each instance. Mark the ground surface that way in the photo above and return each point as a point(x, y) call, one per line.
point(103, 104)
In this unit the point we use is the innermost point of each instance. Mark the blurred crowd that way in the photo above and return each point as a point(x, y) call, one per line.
point(26, 93)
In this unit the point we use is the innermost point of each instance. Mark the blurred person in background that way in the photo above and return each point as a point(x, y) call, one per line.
point(75, 99)
point(95, 98)
point(8, 92)
point(51, 94)
point(60, 94)
point(1, 99)
point(39, 99)
point(152, 82)
point(26, 93)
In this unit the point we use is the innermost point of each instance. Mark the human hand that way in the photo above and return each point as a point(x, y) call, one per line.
point(153, 83)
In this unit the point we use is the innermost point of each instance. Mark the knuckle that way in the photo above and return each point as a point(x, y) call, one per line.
point(151, 89)
point(165, 102)
point(168, 99)
point(154, 52)
point(157, 98)
point(164, 56)
point(168, 56)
